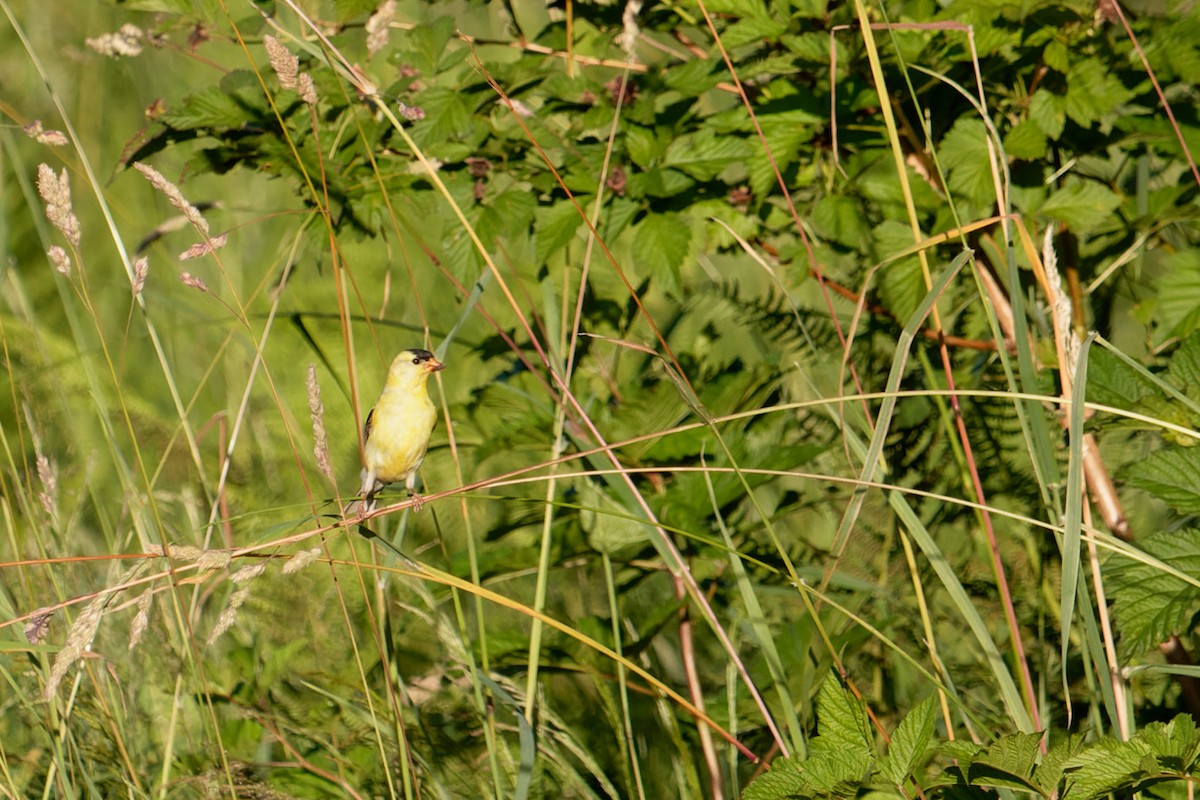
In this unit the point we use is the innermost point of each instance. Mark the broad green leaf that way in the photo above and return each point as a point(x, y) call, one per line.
point(555, 226)
point(901, 283)
point(694, 77)
point(964, 155)
point(842, 727)
point(1104, 767)
point(1083, 205)
point(1151, 605)
point(909, 741)
point(532, 17)
point(785, 779)
point(660, 244)
point(208, 108)
point(704, 155)
point(609, 526)
point(643, 145)
point(1112, 382)
point(1171, 474)
point(1026, 141)
point(753, 30)
point(1049, 112)
point(1049, 773)
point(840, 219)
point(1009, 762)
point(1184, 369)
point(1093, 92)
point(1179, 293)
point(1175, 744)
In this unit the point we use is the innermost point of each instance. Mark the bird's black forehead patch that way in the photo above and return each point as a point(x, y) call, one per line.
point(422, 355)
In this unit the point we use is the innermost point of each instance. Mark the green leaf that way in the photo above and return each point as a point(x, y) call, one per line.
point(1112, 382)
point(1175, 744)
point(1104, 767)
point(1025, 141)
point(1093, 92)
point(608, 525)
point(704, 155)
point(1049, 112)
point(208, 108)
point(1049, 773)
point(909, 741)
point(658, 182)
point(694, 77)
point(1151, 605)
point(753, 30)
point(1084, 206)
point(964, 155)
point(531, 17)
point(840, 219)
point(1172, 475)
point(785, 779)
point(901, 283)
point(1179, 293)
point(660, 242)
point(555, 226)
point(1056, 56)
point(1184, 369)
point(643, 145)
point(1009, 762)
point(842, 726)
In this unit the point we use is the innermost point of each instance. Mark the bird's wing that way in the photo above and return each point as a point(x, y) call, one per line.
point(367, 425)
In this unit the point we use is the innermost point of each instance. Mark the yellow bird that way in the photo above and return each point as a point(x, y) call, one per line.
point(397, 430)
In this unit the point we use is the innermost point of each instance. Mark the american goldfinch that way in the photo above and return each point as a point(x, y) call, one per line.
point(397, 430)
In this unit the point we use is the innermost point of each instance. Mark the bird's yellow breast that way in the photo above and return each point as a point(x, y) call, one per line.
point(401, 425)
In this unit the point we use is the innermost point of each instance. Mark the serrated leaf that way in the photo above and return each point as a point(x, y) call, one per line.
point(1049, 112)
point(1179, 293)
point(753, 30)
point(1172, 475)
point(901, 283)
point(704, 155)
point(909, 741)
point(643, 145)
point(447, 117)
point(1184, 369)
point(693, 78)
point(1056, 56)
point(608, 526)
point(964, 155)
point(1084, 206)
point(784, 779)
point(842, 726)
point(1175, 744)
point(1112, 382)
point(555, 226)
point(839, 219)
point(1007, 762)
point(1093, 92)
point(1104, 767)
point(658, 182)
point(1149, 604)
point(1025, 141)
point(660, 242)
point(1049, 773)
point(531, 17)
point(208, 108)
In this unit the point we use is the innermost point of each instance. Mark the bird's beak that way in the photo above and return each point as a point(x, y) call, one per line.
point(433, 365)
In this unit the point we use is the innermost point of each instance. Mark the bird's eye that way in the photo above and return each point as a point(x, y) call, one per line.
point(417, 360)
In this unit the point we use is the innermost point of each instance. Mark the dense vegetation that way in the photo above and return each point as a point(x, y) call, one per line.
point(820, 415)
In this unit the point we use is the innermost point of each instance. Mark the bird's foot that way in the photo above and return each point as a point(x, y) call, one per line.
point(418, 502)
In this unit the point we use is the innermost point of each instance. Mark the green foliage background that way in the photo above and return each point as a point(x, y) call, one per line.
point(738, 441)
